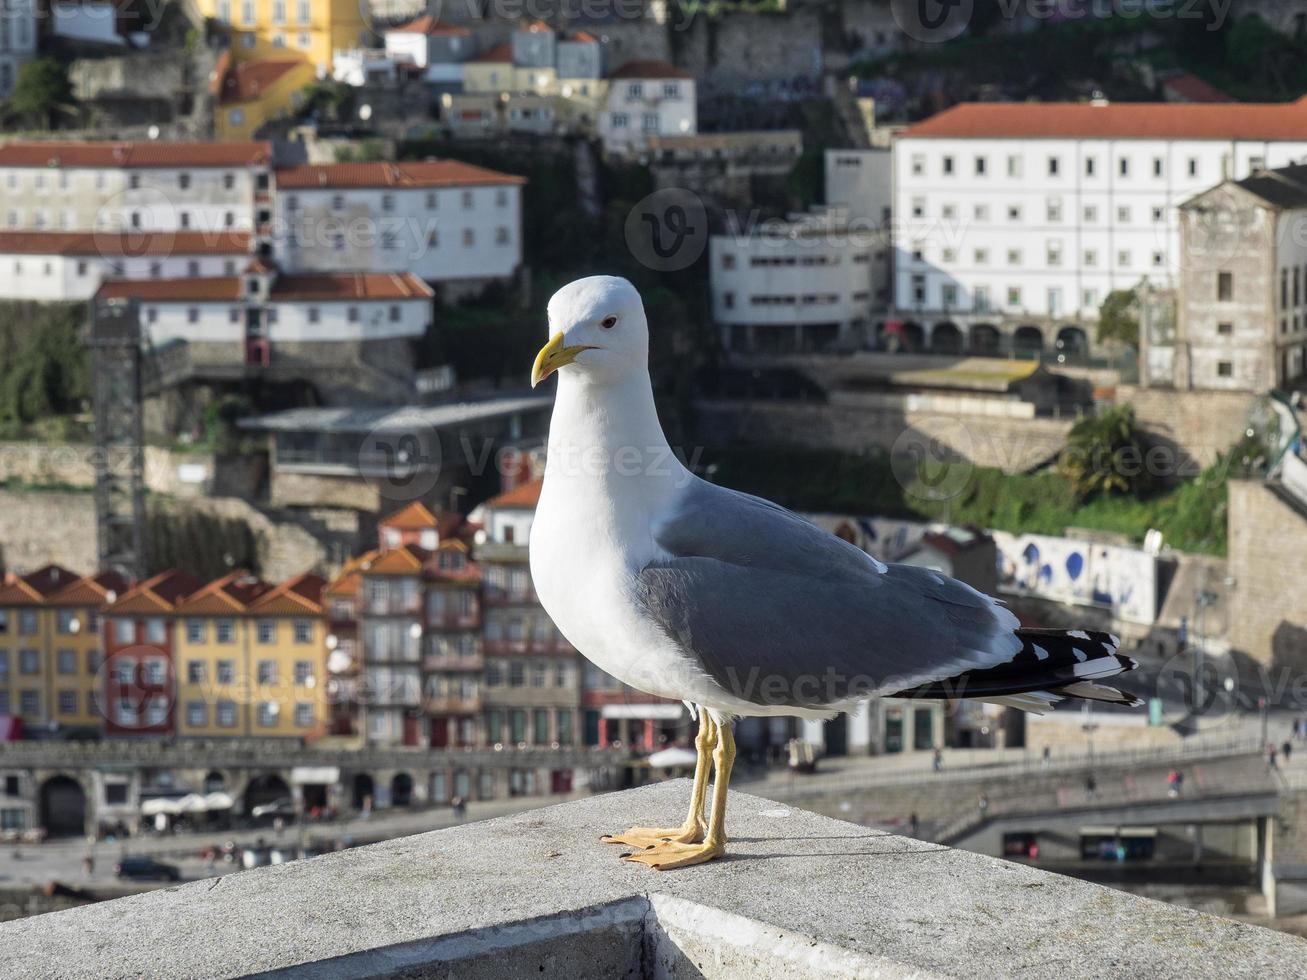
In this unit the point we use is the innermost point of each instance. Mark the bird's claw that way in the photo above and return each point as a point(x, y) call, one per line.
point(645, 837)
point(669, 855)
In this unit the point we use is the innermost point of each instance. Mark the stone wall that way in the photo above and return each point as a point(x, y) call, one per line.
point(73, 465)
point(1011, 444)
point(1200, 425)
point(1267, 545)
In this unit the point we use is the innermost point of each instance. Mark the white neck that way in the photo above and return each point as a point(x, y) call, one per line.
point(606, 437)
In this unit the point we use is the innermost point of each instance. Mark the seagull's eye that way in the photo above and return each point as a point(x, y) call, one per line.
point(608, 322)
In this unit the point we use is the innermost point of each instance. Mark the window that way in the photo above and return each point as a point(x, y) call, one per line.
point(1053, 165)
point(1193, 166)
point(226, 714)
point(267, 672)
point(467, 200)
point(303, 673)
point(1224, 369)
point(225, 630)
point(1123, 259)
point(918, 164)
point(267, 714)
point(393, 313)
point(946, 165)
point(1089, 166)
point(1123, 214)
point(1091, 258)
point(156, 712)
point(540, 726)
point(918, 207)
point(303, 631)
point(516, 674)
point(265, 631)
point(194, 631)
point(29, 703)
point(1053, 210)
point(313, 314)
point(195, 671)
point(27, 622)
point(1224, 286)
point(1159, 260)
point(1158, 168)
point(66, 661)
point(1225, 329)
point(197, 714)
point(192, 315)
point(1014, 296)
point(563, 718)
point(67, 702)
point(226, 672)
point(155, 668)
point(303, 714)
point(1014, 212)
point(980, 166)
point(1123, 166)
point(1159, 215)
point(29, 662)
point(66, 622)
point(501, 235)
point(469, 238)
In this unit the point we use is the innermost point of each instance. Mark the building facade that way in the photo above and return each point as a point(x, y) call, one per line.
point(310, 30)
point(797, 285)
point(861, 184)
point(443, 221)
point(1019, 215)
point(18, 20)
point(647, 98)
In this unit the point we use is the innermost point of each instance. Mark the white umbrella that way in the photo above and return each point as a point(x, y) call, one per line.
point(192, 803)
point(151, 808)
point(218, 800)
point(672, 758)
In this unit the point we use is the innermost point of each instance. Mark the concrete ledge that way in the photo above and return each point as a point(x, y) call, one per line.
point(799, 896)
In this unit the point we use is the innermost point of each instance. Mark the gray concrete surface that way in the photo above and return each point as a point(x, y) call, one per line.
point(798, 895)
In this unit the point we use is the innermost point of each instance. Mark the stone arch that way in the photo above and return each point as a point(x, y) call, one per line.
point(910, 336)
point(215, 781)
point(946, 338)
point(1072, 340)
point(1028, 339)
point(401, 790)
point(63, 806)
point(362, 788)
point(264, 789)
point(985, 339)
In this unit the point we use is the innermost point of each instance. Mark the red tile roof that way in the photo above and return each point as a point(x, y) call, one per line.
point(296, 596)
point(524, 497)
point(649, 68)
point(426, 173)
point(87, 153)
point(415, 517)
point(1187, 87)
point(158, 594)
point(1121, 120)
point(37, 586)
point(246, 81)
point(405, 560)
point(232, 593)
point(92, 590)
point(431, 27)
point(125, 244)
point(327, 288)
point(347, 286)
point(499, 54)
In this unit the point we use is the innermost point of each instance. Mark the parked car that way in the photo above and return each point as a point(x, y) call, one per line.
point(146, 869)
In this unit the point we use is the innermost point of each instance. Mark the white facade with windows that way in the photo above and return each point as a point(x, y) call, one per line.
point(801, 284)
point(860, 182)
point(647, 98)
point(1025, 211)
point(442, 222)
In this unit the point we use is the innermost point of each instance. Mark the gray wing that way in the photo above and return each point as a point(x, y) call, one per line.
point(779, 612)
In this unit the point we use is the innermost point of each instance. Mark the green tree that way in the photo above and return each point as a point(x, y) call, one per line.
point(1118, 318)
point(41, 92)
point(1106, 454)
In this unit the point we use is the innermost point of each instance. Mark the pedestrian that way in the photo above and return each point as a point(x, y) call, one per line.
point(914, 825)
point(1287, 750)
point(88, 866)
point(1173, 783)
point(1296, 727)
point(1047, 755)
point(1091, 786)
point(937, 762)
point(1270, 757)
point(982, 804)
point(459, 806)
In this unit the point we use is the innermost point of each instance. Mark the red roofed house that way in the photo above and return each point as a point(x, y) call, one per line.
point(251, 93)
point(647, 98)
point(445, 222)
point(1062, 203)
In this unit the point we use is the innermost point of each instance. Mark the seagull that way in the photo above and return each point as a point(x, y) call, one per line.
point(691, 591)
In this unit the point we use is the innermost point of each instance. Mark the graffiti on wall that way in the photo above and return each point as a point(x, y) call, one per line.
point(1079, 572)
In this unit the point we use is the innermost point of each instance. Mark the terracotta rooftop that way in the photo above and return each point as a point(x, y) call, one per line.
point(158, 594)
point(432, 27)
point(415, 517)
point(124, 244)
point(649, 68)
point(145, 154)
point(500, 53)
point(1188, 87)
point(405, 560)
point(524, 497)
point(92, 590)
point(246, 81)
point(296, 596)
point(232, 593)
point(35, 587)
point(1120, 120)
point(428, 173)
point(326, 288)
point(350, 578)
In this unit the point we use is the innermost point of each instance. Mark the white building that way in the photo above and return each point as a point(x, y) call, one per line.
point(17, 40)
point(647, 98)
point(796, 285)
point(1014, 221)
point(861, 183)
point(443, 221)
point(364, 66)
point(255, 317)
point(437, 48)
point(154, 186)
point(57, 266)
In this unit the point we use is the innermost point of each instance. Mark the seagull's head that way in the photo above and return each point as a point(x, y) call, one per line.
point(597, 329)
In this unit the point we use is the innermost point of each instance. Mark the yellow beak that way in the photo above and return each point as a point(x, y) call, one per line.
point(554, 355)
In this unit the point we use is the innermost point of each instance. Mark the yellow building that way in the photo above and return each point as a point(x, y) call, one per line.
point(309, 30)
point(51, 648)
point(248, 94)
point(251, 659)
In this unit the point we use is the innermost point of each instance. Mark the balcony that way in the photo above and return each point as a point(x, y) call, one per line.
point(454, 621)
point(799, 896)
point(453, 705)
point(435, 662)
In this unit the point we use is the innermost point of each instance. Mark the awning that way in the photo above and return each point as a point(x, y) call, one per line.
point(653, 712)
point(314, 775)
